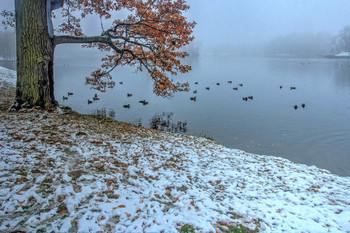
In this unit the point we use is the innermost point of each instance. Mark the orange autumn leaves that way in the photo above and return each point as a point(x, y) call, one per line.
point(174, 199)
point(149, 38)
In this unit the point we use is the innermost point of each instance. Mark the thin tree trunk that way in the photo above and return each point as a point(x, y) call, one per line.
point(35, 53)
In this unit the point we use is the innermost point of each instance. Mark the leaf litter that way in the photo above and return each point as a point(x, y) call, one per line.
point(119, 177)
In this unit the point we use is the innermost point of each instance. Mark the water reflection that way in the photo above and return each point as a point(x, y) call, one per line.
point(111, 114)
point(164, 122)
point(342, 75)
point(313, 69)
point(138, 122)
point(103, 112)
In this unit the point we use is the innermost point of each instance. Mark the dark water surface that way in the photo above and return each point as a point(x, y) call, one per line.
point(318, 134)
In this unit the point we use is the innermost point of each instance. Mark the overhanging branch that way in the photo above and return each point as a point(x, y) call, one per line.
point(81, 40)
point(88, 40)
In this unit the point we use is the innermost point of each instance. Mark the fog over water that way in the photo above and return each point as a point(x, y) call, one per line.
point(241, 22)
point(256, 21)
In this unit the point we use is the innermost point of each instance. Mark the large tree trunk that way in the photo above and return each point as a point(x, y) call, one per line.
point(35, 53)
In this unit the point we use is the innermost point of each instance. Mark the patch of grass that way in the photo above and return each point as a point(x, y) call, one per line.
point(187, 228)
point(239, 229)
point(207, 137)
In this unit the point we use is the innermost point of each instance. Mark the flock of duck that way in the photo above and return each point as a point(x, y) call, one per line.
point(295, 106)
point(193, 98)
point(143, 102)
point(244, 98)
point(95, 98)
point(68, 94)
point(218, 84)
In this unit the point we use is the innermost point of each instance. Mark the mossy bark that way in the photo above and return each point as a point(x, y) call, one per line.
point(35, 54)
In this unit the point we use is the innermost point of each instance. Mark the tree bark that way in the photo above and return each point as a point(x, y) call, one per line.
point(35, 54)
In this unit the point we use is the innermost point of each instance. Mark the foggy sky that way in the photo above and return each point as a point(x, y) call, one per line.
point(255, 21)
point(242, 21)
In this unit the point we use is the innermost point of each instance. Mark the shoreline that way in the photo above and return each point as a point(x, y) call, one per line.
point(72, 172)
point(336, 57)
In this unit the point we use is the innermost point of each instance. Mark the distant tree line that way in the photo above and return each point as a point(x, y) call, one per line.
point(341, 42)
point(310, 45)
point(305, 45)
point(7, 45)
point(300, 45)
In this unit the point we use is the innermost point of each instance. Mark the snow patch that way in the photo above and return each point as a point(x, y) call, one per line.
point(7, 76)
point(343, 54)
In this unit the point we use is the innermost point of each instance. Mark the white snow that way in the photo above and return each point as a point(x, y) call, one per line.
point(343, 54)
point(149, 181)
point(8, 76)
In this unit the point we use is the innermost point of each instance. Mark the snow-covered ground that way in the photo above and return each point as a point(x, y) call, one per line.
point(343, 54)
point(61, 172)
point(73, 173)
point(8, 76)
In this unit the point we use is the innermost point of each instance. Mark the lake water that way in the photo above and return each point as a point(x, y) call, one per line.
point(318, 134)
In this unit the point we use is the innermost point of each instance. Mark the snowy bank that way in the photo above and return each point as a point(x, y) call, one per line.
point(343, 54)
point(7, 76)
point(87, 174)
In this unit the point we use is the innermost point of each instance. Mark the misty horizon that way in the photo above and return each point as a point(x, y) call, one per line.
point(250, 27)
